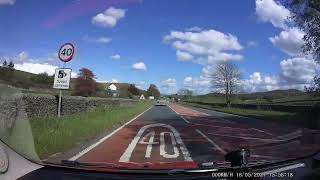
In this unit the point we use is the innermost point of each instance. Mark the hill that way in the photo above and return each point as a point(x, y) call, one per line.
point(42, 83)
point(290, 96)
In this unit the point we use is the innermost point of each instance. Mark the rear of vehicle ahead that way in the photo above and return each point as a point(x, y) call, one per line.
point(160, 103)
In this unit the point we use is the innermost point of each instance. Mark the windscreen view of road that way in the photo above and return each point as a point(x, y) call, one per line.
point(170, 84)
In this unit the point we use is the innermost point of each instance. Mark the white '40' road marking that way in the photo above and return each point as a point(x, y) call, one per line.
point(175, 139)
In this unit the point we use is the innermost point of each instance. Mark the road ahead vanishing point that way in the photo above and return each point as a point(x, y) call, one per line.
point(175, 136)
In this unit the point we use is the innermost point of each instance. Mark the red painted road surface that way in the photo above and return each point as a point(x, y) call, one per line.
point(180, 137)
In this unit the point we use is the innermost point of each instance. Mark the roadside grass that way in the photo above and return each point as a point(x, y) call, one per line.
point(53, 135)
point(267, 115)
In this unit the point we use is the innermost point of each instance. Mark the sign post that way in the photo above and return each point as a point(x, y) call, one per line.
point(62, 76)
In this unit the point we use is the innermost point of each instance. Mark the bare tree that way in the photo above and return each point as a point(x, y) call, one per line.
point(226, 79)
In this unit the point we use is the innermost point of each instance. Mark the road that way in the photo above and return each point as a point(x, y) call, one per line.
point(182, 137)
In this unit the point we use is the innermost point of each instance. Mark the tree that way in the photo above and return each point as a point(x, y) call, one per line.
point(314, 87)
point(226, 79)
point(306, 15)
point(133, 89)
point(5, 63)
point(43, 78)
point(85, 84)
point(153, 91)
point(11, 65)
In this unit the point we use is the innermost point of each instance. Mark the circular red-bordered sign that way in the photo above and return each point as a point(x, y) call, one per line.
point(66, 52)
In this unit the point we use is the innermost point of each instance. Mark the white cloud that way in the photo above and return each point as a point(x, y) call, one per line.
point(107, 81)
point(7, 2)
point(114, 81)
point(140, 66)
point(115, 57)
point(252, 44)
point(109, 18)
point(204, 45)
point(194, 28)
point(295, 74)
point(102, 39)
point(298, 70)
point(258, 82)
point(23, 56)
point(37, 68)
point(271, 11)
point(199, 85)
point(170, 82)
point(289, 41)
point(183, 56)
point(141, 85)
point(168, 86)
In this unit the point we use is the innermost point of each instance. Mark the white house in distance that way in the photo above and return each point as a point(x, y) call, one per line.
point(151, 97)
point(113, 90)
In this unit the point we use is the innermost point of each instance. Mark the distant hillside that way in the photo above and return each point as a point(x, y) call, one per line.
point(290, 96)
point(39, 83)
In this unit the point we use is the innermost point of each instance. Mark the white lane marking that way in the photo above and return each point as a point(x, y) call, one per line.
point(249, 138)
point(150, 143)
point(262, 131)
point(81, 153)
point(163, 152)
point(278, 139)
point(178, 114)
point(185, 119)
point(286, 168)
point(227, 127)
point(213, 143)
point(127, 154)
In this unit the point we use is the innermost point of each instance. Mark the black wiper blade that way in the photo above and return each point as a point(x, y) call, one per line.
point(90, 165)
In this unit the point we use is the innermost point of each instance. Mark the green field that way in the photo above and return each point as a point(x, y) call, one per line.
point(53, 135)
point(283, 97)
point(274, 116)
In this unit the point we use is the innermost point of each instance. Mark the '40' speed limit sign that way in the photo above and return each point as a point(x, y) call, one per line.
point(66, 52)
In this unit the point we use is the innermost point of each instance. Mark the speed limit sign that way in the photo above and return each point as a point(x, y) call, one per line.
point(66, 52)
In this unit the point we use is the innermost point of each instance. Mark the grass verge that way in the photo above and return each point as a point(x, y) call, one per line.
point(274, 116)
point(52, 135)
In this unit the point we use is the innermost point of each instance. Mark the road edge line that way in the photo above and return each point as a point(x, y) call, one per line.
point(86, 150)
point(179, 115)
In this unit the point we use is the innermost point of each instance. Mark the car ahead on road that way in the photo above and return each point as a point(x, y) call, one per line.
point(160, 102)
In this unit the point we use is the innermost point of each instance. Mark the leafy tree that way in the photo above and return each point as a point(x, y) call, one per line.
point(225, 79)
point(5, 63)
point(306, 15)
point(314, 87)
point(43, 78)
point(153, 91)
point(85, 84)
point(133, 90)
point(11, 65)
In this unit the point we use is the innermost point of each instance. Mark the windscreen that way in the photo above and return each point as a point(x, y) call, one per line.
point(145, 84)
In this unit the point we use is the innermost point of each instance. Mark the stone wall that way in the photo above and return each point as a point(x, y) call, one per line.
point(47, 105)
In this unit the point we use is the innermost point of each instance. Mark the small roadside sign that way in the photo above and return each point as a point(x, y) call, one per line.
point(62, 78)
point(66, 52)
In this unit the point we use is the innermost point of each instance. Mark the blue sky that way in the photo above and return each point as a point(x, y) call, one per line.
point(171, 43)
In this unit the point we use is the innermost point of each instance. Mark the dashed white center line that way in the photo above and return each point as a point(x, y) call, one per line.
point(213, 143)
